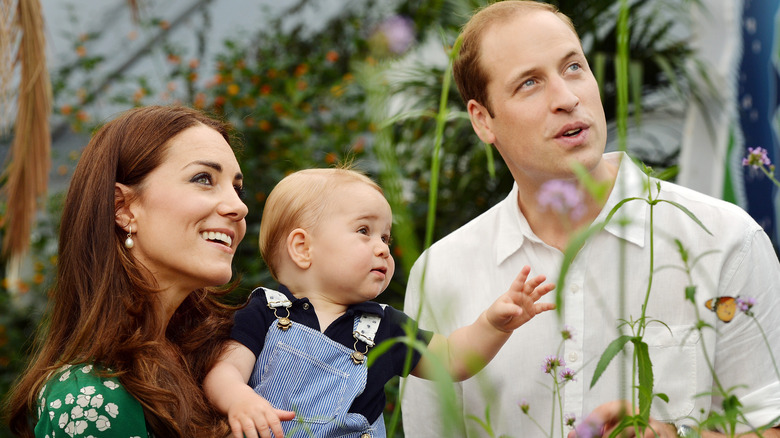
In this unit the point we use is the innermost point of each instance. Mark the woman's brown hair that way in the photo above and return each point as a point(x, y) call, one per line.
point(102, 307)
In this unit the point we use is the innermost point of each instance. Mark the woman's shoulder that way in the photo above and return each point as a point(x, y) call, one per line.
point(83, 400)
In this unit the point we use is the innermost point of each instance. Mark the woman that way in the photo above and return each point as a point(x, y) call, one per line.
point(149, 227)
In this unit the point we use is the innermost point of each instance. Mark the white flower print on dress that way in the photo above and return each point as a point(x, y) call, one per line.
point(63, 420)
point(112, 409)
point(86, 369)
point(103, 423)
point(97, 401)
point(69, 399)
point(91, 415)
point(56, 404)
point(88, 390)
point(65, 376)
point(76, 412)
point(110, 384)
point(82, 400)
point(75, 428)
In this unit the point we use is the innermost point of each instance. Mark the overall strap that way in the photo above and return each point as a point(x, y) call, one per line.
point(365, 327)
point(276, 300)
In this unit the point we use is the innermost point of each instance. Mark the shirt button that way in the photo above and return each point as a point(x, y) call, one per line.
point(305, 306)
point(573, 357)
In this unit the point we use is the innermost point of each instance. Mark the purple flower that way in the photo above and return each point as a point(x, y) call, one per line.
point(756, 158)
point(745, 304)
point(397, 34)
point(567, 333)
point(562, 197)
point(552, 362)
point(569, 419)
point(589, 428)
point(567, 375)
point(524, 406)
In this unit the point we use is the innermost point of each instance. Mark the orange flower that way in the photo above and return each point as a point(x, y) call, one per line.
point(348, 77)
point(172, 86)
point(165, 25)
point(199, 101)
point(81, 51)
point(138, 95)
point(278, 108)
point(173, 58)
point(192, 77)
point(249, 122)
point(260, 196)
point(359, 145)
point(82, 116)
point(66, 109)
point(265, 90)
point(38, 278)
point(219, 100)
point(301, 70)
point(272, 73)
point(337, 90)
point(62, 170)
point(330, 158)
point(194, 63)
point(332, 56)
point(301, 85)
point(233, 89)
point(132, 35)
point(264, 125)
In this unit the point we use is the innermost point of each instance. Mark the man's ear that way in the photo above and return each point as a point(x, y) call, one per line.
point(123, 196)
point(299, 248)
point(481, 121)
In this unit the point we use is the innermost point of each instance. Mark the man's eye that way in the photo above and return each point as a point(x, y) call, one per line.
point(575, 67)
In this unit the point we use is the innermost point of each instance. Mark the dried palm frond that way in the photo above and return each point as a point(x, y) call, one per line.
point(27, 171)
point(9, 33)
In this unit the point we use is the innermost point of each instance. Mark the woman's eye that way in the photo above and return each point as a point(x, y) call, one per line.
point(202, 178)
point(240, 191)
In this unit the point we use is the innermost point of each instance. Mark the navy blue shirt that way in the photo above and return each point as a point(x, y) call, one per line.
point(252, 323)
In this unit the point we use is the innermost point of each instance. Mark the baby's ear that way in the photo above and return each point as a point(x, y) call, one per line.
point(298, 248)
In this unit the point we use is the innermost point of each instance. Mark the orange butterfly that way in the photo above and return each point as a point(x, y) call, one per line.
point(724, 307)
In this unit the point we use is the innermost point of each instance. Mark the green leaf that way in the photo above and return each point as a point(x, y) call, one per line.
point(606, 357)
point(688, 212)
point(690, 293)
point(645, 371)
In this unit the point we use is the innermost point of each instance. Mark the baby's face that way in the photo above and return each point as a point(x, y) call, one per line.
point(350, 246)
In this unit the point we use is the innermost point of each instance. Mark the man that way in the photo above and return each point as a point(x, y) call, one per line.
point(530, 92)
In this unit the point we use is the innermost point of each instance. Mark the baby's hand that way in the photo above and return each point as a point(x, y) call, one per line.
point(518, 305)
point(253, 416)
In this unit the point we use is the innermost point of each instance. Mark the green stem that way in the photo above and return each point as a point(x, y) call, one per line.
point(769, 347)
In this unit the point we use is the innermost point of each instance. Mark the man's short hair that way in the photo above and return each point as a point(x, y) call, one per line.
point(470, 76)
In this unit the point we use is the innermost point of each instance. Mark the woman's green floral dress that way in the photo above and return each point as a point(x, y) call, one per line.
point(76, 402)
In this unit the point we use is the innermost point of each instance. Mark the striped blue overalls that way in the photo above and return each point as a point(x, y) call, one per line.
point(302, 370)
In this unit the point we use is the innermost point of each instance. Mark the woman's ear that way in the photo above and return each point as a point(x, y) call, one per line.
point(481, 121)
point(298, 248)
point(122, 197)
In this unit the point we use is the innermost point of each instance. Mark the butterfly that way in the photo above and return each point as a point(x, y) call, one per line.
point(724, 307)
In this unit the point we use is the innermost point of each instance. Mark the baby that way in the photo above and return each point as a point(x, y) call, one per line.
point(325, 236)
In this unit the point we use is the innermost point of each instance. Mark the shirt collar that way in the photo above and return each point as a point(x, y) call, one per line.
point(514, 230)
point(365, 307)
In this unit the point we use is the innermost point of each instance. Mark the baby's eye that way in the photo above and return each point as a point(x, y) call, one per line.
point(363, 230)
point(202, 178)
point(387, 239)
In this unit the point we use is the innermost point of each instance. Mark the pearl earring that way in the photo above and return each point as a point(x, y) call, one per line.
point(129, 243)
